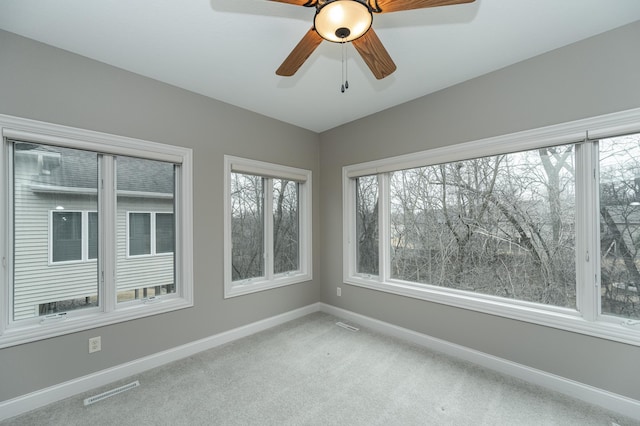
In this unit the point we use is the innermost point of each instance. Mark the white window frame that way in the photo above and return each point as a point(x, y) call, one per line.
point(269, 280)
point(152, 235)
point(109, 312)
point(586, 319)
point(85, 237)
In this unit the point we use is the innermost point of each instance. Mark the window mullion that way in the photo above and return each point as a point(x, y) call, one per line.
point(107, 232)
point(384, 243)
point(268, 228)
point(152, 233)
point(349, 225)
point(587, 250)
point(6, 235)
point(85, 235)
point(594, 234)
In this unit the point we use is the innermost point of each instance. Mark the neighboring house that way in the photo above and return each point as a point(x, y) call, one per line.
point(56, 229)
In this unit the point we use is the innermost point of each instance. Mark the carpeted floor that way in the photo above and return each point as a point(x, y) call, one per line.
point(312, 372)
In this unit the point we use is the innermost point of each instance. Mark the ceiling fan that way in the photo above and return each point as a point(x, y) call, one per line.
point(342, 21)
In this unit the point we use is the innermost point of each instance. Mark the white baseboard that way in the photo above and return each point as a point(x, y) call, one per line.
point(608, 400)
point(22, 404)
point(592, 395)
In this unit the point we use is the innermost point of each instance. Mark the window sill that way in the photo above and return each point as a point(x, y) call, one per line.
point(615, 329)
point(239, 288)
point(77, 321)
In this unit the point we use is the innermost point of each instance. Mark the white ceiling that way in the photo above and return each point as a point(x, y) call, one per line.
point(229, 49)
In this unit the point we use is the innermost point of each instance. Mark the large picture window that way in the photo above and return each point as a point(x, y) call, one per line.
point(536, 226)
point(619, 160)
point(502, 225)
point(267, 226)
point(99, 227)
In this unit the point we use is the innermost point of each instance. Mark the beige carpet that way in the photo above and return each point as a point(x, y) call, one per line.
point(312, 372)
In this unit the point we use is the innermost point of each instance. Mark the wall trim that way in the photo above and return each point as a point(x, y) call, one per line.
point(592, 395)
point(31, 401)
point(608, 400)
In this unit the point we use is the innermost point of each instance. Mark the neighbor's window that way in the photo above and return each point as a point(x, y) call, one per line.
point(74, 235)
point(513, 233)
point(66, 236)
point(92, 234)
point(165, 233)
point(68, 212)
point(139, 234)
point(267, 226)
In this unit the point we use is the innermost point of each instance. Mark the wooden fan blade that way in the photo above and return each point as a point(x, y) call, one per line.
point(300, 53)
point(374, 54)
point(307, 3)
point(386, 6)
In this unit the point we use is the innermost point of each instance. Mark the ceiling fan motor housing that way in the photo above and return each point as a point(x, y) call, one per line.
point(342, 21)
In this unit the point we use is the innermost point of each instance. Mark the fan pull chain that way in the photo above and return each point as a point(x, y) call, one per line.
point(345, 69)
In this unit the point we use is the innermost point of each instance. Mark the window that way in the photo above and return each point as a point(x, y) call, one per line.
point(92, 220)
point(81, 206)
point(367, 225)
point(67, 236)
point(150, 233)
point(500, 225)
point(267, 226)
point(139, 234)
point(165, 233)
point(541, 226)
point(74, 235)
point(619, 161)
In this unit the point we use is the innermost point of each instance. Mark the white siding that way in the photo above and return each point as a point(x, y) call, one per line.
point(141, 271)
point(35, 281)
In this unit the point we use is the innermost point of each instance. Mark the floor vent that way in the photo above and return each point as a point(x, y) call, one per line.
point(112, 392)
point(347, 326)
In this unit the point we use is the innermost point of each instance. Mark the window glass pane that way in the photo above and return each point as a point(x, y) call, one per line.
point(51, 185)
point(66, 241)
point(165, 234)
point(285, 226)
point(93, 235)
point(143, 188)
point(367, 225)
point(247, 226)
point(620, 226)
point(139, 234)
point(501, 225)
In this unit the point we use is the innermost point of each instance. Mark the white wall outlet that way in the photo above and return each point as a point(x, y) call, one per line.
point(339, 292)
point(95, 344)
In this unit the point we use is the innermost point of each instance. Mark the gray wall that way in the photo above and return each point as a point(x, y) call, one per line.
point(48, 84)
point(593, 77)
point(590, 78)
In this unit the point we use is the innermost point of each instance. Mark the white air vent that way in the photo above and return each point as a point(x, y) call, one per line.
point(347, 326)
point(112, 392)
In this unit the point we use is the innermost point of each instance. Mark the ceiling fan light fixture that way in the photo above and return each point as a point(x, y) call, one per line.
point(342, 20)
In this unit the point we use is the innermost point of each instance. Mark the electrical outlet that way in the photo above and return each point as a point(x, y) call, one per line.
point(339, 292)
point(95, 344)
